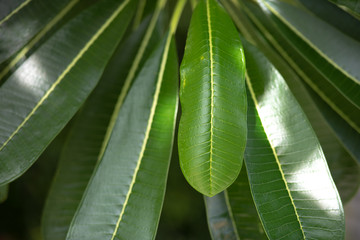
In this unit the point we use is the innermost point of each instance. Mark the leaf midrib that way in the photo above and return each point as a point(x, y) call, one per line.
point(300, 71)
point(16, 10)
point(67, 70)
point(36, 39)
point(212, 91)
point(304, 38)
point(253, 96)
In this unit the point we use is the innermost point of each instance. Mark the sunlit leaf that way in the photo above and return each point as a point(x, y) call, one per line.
point(289, 178)
point(212, 130)
point(41, 96)
point(88, 133)
point(329, 80)
point(128, 185)
point(339, 152)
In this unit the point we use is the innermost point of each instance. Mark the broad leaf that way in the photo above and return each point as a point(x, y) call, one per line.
point(87, 137)
point(128, 185)
point(289, 178)
point(212, 130)
point(41, 96)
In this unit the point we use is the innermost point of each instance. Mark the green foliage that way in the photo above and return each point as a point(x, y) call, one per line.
point(268, 126)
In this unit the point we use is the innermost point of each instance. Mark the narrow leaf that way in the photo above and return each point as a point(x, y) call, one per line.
point(313, 68)
point(220, 221)
point(85, 142)
point(43, 94)
point(352, 6)
point(212, 130)
point(336, 71)
point(339, 153)
point(243, 210)
point(289, 178)
point(20, 28)
point(128, 185)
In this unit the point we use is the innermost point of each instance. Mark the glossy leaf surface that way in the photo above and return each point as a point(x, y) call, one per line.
point(87, 137)
point(289, 178)
point(20, 25)
point(128, 185)
point(340, 152)
point(324, 76)
point(212, 130)
point(42, 95)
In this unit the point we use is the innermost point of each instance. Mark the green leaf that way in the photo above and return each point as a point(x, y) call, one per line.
point(333, 74)
point(348, 136)
point(312, 67)
point(78, 160)
point(335, 16)
point(352, 6)
point(41, 96)
point(212, 130)
point(289, 178)
point(232, 214)
point(4, 189)
point(339, 153)
point(20, 30)
point(243, 210)
point(128, 185)
point(220, 220)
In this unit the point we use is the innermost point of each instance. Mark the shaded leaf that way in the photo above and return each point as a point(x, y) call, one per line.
point(4, 189)
point(220, 221)
point(289, 178)
point(88, 133)
point(212, 129)
point(352, 6)
point(243, 210)
point(43, 94)
point(128, 185)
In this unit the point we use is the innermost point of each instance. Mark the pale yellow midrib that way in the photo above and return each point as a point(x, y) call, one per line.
point(300, 71)
point(212, 92)
point(251, 90)
point(16, 10)
point(36, 39)
point(299, 34)
point(68, 68)
point(173, 24)
point(130, 76)
point(147, 133)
